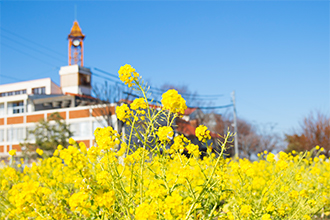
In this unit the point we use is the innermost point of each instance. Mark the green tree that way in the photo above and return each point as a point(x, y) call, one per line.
point(48, 134)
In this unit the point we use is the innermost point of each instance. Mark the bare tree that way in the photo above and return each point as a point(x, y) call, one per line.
point(269, 139)
point(248, 139)
point(107, 96)
point(252, 138)
point(314, 130)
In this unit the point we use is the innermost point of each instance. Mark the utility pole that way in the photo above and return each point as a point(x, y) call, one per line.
point(235, 125)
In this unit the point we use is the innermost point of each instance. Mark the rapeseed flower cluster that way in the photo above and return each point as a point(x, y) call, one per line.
point(12, 152)
point(173, 101)
point(128, 75)
point(107, 138)
point(202, 133)
point(123, 112)
point(139, 103)
point(120, 179)
point(179, 144)
point(39, 151)
point(165, 133)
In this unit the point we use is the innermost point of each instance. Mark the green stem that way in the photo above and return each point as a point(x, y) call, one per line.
point(211, 176)
point(211, 214)
point(141, 175)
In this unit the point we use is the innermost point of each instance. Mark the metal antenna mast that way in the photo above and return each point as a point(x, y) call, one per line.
point(75, 12)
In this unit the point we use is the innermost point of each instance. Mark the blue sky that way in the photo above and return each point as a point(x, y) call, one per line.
point(275, 54)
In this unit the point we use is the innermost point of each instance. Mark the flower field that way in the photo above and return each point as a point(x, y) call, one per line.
point(158, 181)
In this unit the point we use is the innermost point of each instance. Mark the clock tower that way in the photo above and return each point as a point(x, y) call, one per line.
point(75, 78)
point(76, 46)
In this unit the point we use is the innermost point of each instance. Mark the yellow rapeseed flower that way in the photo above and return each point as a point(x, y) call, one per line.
point(72, 141)
point(127, 74)
point(165, 133)
point(193, 149)
point(270, 157)
point(39, 151)
point(266, 217)
point(106, 138)
point(123, 112)
point(307, 217)
point(202, 133)
point(139, 104)
point(245, 210)
point(173, 101)
point(12, 152)
point(122, 149)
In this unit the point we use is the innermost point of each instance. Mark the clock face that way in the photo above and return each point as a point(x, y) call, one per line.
point(76, 42)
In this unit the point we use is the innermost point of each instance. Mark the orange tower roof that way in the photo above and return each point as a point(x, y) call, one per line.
point(76, 31)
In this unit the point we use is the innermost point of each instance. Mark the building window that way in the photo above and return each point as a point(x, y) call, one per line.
point(101, 123)
point(2, 109)
point(15, 134)
point(81, 129)
point(39, 91)
point(30, 136)
point(15, 107)
point(2, 135)
point(18, 107)
point(84, 80)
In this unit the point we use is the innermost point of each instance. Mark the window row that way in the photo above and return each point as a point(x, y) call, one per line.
point(36, 91)
point(12, 108)
point(18, 92)
point(79, 129)
point(13, 134)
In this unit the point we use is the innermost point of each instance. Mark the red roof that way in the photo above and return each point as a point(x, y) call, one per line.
point(188, 111)
point(185, 127)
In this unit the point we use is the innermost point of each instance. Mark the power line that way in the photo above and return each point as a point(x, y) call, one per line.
point(154, 100)
point(40, 73)
point(47, 48)
point(137, 96)
point(214, 107)
point(32, 48)
point(46, 71)
point(155, 92)
point(9, 77)
point(157, 89)
point(103, 77)
point(27, 54)
point(107, 73)
point(187, 96)
point(159, 102)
